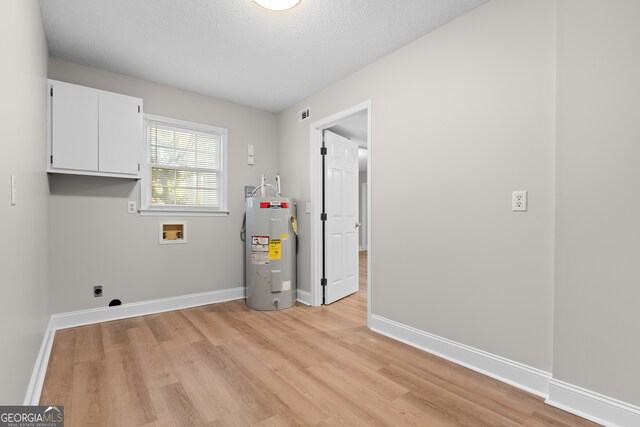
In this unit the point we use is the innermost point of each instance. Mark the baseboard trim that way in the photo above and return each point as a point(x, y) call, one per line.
point(591, 405)
point(579, 401)
point(524, 377)
point(304, 297)
point(40, 367)
point(584, 403)
point(106, 314)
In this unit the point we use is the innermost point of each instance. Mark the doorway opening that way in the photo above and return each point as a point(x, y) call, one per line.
point(354, 125)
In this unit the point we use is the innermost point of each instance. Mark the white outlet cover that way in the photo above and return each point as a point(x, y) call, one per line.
point(132, 206)
point(519, 201)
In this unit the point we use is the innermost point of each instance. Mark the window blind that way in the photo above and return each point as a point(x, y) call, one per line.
point(185, 166)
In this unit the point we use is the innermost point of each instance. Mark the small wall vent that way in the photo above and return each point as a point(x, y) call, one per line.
point(304, 114)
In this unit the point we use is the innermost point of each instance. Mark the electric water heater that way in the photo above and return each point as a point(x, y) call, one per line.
point(270, 249)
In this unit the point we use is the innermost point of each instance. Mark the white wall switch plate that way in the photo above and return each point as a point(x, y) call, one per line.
point(250, 155)
point(13, 190)
point(519, 201)
point(132, 206)
point(307, 207)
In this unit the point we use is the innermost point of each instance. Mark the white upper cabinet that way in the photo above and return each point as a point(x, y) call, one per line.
point(93, 132)
point(120, 132)
point(74, 127)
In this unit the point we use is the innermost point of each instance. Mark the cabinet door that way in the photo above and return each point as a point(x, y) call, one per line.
point(120, 133)
point(74, 127)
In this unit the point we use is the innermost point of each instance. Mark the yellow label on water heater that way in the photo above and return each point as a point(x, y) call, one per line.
point(275, 249)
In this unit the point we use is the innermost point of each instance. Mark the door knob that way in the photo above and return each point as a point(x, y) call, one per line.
point(358, 224)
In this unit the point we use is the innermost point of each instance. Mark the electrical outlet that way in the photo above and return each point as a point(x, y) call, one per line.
point(519, 201)
point(132, 206)
point(97, 291)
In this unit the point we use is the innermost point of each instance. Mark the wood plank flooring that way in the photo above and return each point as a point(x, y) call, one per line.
point(226, 365)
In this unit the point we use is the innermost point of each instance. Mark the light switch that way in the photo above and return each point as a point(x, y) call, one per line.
point(250, 155)
point(13, 190)
point(308, 207)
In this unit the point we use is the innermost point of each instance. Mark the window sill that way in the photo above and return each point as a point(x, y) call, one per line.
point(177, 213)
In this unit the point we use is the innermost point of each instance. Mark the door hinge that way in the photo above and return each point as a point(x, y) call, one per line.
point(51, 91)
point(323, 281)
point(138, 108)
point(323, 151)
point(51, 159)
point(138, 167)
point(323, 216)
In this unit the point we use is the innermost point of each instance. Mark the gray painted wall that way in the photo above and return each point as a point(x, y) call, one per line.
point(24, 258)
point(597, 317)
point(468, 114)
point(95, 241)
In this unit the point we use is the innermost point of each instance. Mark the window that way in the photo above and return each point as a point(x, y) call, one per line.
point(185, 171)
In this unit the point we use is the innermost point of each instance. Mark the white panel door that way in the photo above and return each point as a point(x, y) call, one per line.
point(120, 133)
point(74, 127)
point(341, 228)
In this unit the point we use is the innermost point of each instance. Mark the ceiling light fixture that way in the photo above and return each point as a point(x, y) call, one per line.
point(277, 4)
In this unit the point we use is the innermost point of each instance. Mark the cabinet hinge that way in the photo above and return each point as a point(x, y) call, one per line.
point(51, 159)
point(323, 151)
point(138, 108)
point(323, 281)
point(138, 167)
point(51, 91)
point(323, 216)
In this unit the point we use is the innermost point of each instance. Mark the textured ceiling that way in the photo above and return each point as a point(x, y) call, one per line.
point(234, 49)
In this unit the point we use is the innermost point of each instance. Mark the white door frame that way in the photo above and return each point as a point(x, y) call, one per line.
point(364, 214)
point(315, 179)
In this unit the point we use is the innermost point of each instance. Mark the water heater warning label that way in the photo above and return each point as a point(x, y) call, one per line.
point(275, 250)
point(260, 250)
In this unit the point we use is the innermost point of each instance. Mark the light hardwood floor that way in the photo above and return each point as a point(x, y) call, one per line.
point(226, 365)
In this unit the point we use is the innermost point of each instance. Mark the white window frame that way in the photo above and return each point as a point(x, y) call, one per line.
point(145, 185)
